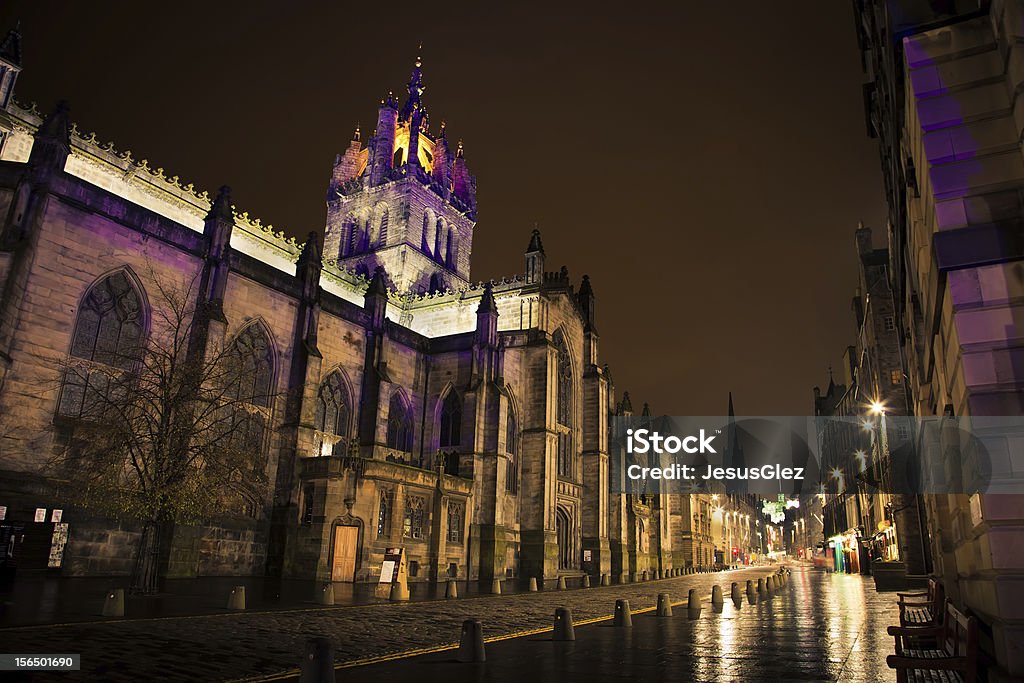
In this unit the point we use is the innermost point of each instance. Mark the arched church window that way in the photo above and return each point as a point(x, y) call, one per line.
point(451, 421)
point(438, 235)
point(450, 250)
point(107, 339)
point(428, 231)
point(399, 435)
point(332, 416)
point(563, 397)
point(251, 364)
point(511, 450)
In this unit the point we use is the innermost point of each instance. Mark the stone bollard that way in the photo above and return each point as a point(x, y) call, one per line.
point(736, 596)
point(237, 598)
point(664, 605)
point(471, 645)
point(693, 604)
point(623, 617)
point(451, 589)
point(716, 595)
point(586, 580)
point(327, 594)
point(495, 588)
point(769, 584)
point(533, 584)
point(760, 587)
point(563, 625)
point(561, 583)
point(318, 661)
point(751, 593)
point(606, 580)
point(113, 603)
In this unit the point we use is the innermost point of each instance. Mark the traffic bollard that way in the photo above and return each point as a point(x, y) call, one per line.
point(533, 584)
point(318, 662)
point(563, 625)
point(451, 590)
point(471, 645)
point(113, 603)
point(561, 583)
point(622, 614)
point(327, 594)
point(236, 600)
point(664, 605)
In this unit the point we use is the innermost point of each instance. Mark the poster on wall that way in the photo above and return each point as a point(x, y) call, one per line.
point(40, 515)
point(57, 544)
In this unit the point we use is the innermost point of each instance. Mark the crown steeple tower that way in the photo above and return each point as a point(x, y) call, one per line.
point(10, 64)
point(405, 201)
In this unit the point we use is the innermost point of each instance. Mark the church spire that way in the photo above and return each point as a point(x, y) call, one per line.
point(415, 88)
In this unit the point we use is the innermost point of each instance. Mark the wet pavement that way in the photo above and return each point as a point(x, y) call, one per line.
point(43, 599)
point(820, 627)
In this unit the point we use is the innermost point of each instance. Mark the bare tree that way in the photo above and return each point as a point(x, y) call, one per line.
point(167, 427)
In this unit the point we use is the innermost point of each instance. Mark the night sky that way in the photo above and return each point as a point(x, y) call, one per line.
point(706, 164)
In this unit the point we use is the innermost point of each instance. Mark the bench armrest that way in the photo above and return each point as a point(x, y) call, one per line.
point(938, 664)
point(911, 595)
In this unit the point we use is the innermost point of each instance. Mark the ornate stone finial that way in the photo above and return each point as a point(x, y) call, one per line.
point(487, 304)
point(440, 133)
point(10, 47)
point(378, 284)
point(221, 205)
point(356, 136)
point(310, 253)
point(460, 151)
point(57, 124)
point(585, 288)
point(535, 243)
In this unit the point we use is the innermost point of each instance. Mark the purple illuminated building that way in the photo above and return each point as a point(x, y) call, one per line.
point(942, 95)
point(466, 422)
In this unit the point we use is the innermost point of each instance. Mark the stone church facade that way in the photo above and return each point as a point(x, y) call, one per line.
point(467, 423)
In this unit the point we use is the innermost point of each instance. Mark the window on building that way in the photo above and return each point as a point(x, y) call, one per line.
point(105, 347)
point(896, 376)
point(890, 323)
point(563, 396)
point(456, 519)
point(383, 227)
point(414, 568)
point(412, 526)
point(252, 367)
point(332, 416)
point(382, 514)
point(307, 504)
point(512, 451)
point(399, 435)
point(451, 421)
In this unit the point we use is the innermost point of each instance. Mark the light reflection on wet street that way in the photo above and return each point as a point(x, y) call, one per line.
point(820, 627)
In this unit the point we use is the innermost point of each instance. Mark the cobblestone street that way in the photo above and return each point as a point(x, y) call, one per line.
point(821, 627)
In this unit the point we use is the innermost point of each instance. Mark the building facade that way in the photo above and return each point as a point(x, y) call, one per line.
point(942, 96)
point(410, 407)
point(866, 517)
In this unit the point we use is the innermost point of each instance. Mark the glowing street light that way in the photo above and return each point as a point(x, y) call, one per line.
point(877, 408)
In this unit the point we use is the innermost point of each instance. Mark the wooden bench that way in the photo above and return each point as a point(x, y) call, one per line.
point(952, 657)
point(925, 612)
